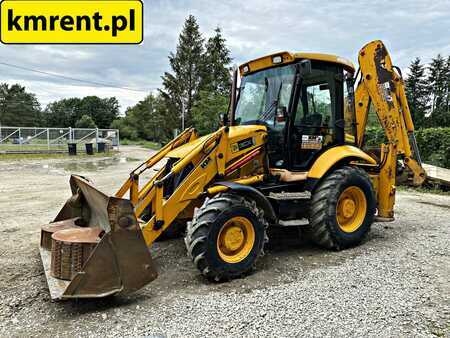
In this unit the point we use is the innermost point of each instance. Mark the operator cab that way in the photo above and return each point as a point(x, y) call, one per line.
point(305, 101)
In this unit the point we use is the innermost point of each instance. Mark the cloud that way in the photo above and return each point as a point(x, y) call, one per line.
point(252, 29)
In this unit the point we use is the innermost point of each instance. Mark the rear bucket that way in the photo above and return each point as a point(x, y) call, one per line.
point(94, 247)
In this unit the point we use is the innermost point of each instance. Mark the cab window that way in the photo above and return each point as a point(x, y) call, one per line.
point(315, 108)
point(318, 108)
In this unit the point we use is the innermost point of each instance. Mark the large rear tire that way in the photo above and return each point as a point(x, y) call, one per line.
point(342, 209)
point(226, 236)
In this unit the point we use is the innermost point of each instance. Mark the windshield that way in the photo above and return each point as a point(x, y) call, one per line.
point(262, 94)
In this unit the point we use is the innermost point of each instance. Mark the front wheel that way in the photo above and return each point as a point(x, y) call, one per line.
point(226, 236)
point(342, 209)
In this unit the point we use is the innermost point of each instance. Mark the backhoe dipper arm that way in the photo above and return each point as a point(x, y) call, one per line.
point(381, 84)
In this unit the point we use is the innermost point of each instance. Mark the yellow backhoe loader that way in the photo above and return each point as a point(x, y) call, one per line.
point(289, 153)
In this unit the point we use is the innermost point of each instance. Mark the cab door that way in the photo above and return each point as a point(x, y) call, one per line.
point(316, 122)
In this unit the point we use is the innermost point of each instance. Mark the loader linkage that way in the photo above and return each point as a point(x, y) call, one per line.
point(115, 258)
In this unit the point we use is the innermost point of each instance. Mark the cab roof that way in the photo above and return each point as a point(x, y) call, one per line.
point(279, 58)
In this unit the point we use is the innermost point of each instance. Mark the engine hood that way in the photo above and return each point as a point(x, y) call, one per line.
point(234, 133)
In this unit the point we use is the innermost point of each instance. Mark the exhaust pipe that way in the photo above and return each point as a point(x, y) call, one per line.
point(94, 247)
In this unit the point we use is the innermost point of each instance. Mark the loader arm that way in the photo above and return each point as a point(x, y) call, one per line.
point(381, 84)
point(132, 183)
point(210, 163)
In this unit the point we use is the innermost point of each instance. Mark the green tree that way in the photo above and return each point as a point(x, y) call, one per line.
point(149, 119)
point(417, 92)
point(447, 88)
point(126, 130)
point(217, 58)
point(166, 120)
point(18, 107)
point(66, 112)
point(205, 113)
point(215, 85)
point(438, 84)
point(63, 113)
point(181, 86)
point(145, 119)
point(85, 122)
point(102, 111)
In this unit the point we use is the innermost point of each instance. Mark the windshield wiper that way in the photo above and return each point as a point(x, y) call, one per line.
point(267, 113)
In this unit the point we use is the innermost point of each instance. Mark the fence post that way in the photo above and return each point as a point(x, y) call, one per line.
point(70, 134)
point(20, 138)
point(118, 140)
point(48, 139)
point(96, 135)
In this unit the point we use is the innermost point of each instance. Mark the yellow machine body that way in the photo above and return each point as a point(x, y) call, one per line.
point(235, 157)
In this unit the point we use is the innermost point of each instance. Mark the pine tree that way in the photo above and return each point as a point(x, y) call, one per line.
point(181, 87)
point(438, 84)
point(215, 85)
point(417, 92)
point(206, 111)
point(447, 89)
point(217, 58)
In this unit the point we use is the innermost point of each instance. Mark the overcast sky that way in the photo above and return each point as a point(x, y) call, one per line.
point(252, 29)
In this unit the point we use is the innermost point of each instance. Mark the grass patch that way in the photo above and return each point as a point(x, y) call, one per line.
point(424, 189)
point(5, 157)
point(142, 143)
point(30, 147)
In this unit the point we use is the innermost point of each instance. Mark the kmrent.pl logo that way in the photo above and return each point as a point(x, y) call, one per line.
point(71, 21)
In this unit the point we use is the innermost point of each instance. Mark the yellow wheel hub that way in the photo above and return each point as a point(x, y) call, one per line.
point(236, 239)
point(351, 209)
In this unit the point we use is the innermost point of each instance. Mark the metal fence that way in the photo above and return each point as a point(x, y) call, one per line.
point(37, 138)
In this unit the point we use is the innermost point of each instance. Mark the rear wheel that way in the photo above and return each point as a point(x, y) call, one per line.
point(342, 209)
point(226, 236)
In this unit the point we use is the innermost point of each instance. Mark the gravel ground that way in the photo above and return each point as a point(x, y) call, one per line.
point(396, 284)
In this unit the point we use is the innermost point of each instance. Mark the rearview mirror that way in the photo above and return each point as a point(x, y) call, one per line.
point(281, 114)
point(350, 82)
point(305, 67)
point(223, 119)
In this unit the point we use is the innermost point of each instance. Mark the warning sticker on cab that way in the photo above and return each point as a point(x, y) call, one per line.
point(71, 21)
point(311, 141)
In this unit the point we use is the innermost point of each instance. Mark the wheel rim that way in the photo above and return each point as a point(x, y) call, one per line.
point(351, 209)
point(236, 239)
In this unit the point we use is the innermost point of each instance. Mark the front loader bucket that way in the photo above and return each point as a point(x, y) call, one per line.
point(94, 247)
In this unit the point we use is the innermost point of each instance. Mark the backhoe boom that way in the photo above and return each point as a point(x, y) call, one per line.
point(381, 84)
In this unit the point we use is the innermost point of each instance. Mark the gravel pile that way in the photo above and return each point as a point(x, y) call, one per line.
point(395, 284)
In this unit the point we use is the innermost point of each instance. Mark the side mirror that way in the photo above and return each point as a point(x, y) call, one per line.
point(350, 82)
point(223, 119)
point(305, 67)
point(281, 114)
